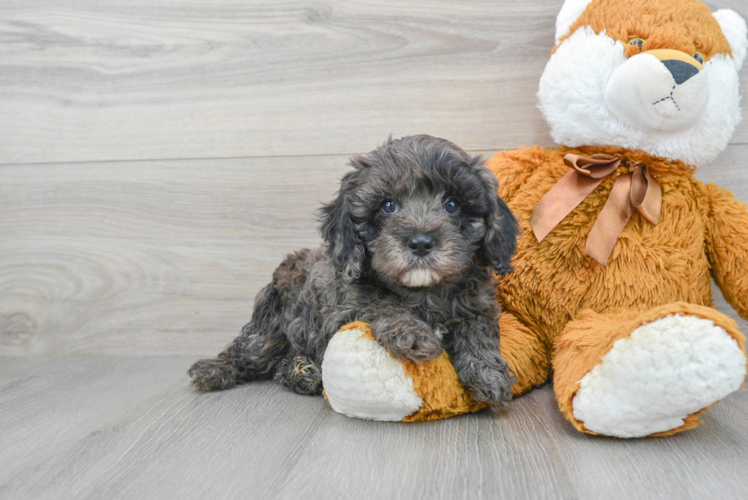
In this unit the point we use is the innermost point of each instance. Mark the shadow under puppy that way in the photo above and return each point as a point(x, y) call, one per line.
point(411, 244)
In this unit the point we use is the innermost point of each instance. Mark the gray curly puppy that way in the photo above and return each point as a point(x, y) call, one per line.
point(411, 244)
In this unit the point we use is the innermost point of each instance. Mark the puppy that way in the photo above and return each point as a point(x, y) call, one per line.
point(411, 245)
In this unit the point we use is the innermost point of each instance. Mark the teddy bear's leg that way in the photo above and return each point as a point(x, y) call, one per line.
point(644, 373)
point(361, 379)
point(527, 355)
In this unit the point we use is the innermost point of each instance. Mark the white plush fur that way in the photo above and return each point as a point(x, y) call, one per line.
point(570, 12)
point(362, 380)
point(643, 92)
point(734, 28)
point(665, 371)
point(572, 96)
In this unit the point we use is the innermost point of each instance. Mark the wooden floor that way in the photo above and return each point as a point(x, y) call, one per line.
point(157, 160)
point(102, 427)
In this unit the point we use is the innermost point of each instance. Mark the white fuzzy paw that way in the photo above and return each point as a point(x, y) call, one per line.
point(663, 372)
point(362, 380)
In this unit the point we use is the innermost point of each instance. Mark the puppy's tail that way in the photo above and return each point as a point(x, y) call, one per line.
point(253, 355)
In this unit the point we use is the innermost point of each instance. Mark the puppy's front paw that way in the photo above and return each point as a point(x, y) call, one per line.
point(488, 382)
point(409, 339)
point(495, 390)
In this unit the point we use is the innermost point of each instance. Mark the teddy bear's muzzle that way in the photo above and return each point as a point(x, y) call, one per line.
point(659, 91)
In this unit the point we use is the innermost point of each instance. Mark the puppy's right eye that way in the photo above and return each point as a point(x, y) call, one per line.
point(452, 207)
point(389, 207)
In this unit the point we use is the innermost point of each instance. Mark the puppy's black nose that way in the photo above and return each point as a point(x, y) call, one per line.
point(421, 244)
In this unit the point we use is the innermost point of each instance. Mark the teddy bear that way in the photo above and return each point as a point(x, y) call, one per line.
point(610, 296)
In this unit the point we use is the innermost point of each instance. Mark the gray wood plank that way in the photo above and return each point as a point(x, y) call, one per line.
point(82, 80)
point(102, 427)
point(706, 462)
point(484, 455)
point(165, 257)
point(529, 451)
point(174, 252)
point(56, 401)
point(132, 428)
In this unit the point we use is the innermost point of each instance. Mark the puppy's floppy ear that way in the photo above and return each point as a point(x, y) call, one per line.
point(346, 249)
point(500, 241)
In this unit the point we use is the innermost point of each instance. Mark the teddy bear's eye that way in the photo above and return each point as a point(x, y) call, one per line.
point(639, 42)
point(699, 57)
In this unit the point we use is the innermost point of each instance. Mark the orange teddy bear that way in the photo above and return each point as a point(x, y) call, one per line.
point(611, 289)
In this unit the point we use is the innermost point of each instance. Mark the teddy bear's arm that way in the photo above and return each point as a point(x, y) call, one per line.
point(727, 246)
point(513, 167)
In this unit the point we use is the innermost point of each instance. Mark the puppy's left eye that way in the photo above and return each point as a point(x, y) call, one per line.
point(452, 207)
point(389, 207)
point(699, 57)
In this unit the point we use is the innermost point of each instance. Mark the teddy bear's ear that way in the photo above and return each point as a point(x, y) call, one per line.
point(570, 12)
point(734, 28)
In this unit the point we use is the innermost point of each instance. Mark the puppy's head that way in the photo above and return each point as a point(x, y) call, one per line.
point(418, 212)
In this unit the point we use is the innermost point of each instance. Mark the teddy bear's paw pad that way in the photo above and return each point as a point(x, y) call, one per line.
point(362, 380)
point(665, 371)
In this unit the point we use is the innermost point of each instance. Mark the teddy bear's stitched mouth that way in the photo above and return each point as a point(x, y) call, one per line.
point(669, 97)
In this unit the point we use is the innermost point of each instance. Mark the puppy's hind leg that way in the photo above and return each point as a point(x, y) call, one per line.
point(300, 374)
point(253, 355)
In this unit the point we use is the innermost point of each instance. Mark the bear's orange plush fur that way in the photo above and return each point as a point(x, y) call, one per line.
point(669, 24)
point(579, 308)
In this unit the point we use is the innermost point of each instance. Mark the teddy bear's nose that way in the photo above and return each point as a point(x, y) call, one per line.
point(680, 70)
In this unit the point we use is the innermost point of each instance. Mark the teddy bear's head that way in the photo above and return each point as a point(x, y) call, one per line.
point(656, 75)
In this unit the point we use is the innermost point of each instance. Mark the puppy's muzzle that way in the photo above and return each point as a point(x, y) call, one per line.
point(421, 244)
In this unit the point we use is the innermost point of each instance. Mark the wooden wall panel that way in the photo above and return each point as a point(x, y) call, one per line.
point(158, 158)
point(164, 257)
point(147, 257)
point(84, 80)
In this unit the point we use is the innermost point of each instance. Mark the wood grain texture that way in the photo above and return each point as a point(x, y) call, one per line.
point(165, 257)
point(240, 114)
point(84, 80)
point(91, 428)
point(148, 257)
point(132, 428)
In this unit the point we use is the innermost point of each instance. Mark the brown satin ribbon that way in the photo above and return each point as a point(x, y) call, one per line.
point(637, 190)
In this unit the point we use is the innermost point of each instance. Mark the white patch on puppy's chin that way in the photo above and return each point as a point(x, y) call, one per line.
point(419, 277)
point(572, 99)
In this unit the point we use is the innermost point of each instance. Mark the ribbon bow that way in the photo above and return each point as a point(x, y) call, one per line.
point(637, 190)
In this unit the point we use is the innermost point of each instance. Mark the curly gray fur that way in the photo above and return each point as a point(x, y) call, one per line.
point(369, 270)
